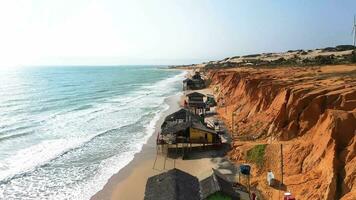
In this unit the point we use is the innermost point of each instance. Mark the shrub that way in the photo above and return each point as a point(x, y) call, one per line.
point(257, 154)
point(344, 47)
point(353, 57)
point(251, 55)
point(219, 196)
point(324, 60)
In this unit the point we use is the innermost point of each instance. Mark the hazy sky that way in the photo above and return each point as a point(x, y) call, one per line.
point(65, 32)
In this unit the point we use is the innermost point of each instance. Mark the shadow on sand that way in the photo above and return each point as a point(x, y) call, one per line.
point(277, 185)
point(198, 152)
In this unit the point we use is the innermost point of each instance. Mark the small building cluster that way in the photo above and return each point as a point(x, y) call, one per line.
point(187, 125)
point(186, 128)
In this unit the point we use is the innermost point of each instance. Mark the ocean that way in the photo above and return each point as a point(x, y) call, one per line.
point(64, 131)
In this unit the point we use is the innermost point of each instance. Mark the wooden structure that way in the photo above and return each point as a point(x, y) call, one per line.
point(172, 185)
point(184, 127)
point(201, 134)
point(188, 132)
point(182, 115)
point(218, 183)
point(196, 103)
point(175, 184)
point(194, 83)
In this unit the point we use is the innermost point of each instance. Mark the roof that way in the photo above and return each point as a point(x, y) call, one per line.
point(203, 128)
point(180, 114)
point(195, 94)
point(173, 128)
point(196, 76)
point(217, 182)
point(187, 79)
point(172, 185)
point(197, 81)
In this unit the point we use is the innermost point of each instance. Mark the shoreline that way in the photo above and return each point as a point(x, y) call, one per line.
point(130, 181)
point(114, 188)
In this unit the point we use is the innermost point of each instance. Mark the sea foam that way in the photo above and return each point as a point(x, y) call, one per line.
point(73, 152)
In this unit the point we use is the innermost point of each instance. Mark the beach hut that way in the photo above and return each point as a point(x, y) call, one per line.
point(218, 185)
point(184, 126)
point(196, 102)
point(172, 185)
point(189, 132)
point(194, 83)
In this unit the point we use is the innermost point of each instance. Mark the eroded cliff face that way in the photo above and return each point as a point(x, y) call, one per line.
point(310, 111)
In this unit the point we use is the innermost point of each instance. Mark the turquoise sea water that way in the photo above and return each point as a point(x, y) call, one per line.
point(65, 130)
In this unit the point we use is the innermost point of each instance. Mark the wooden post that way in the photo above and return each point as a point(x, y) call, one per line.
point(176, 149)
point(154, 163)
point(182, 151)
point(281, 165)
point(165, 159)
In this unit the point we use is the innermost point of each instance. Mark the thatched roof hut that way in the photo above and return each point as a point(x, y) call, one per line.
point(217, 183)
point(196, 102)
point(194, 83)
point(186, 127)
point(172, 185)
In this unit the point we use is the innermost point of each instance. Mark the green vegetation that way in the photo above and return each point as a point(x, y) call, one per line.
point(256, 154)
point(219, 196)
point(353, 57)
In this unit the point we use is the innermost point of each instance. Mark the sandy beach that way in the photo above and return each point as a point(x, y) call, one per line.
point(130, 182)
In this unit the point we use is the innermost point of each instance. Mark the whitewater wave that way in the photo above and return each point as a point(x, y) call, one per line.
point(69, 131)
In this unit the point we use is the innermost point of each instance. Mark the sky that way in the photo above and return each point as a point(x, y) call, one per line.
point(137, 32)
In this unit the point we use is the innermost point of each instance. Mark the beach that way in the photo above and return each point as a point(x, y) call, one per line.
point(130, 181)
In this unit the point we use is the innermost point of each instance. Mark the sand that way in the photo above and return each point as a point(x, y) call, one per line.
point(129, 183)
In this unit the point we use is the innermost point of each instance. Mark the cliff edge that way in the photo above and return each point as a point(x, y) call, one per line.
point(306, 119)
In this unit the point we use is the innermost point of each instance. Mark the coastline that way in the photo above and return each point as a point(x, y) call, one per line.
point(115, 187)
point(130, 181)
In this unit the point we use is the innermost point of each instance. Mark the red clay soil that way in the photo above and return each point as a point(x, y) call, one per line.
point(310, 110)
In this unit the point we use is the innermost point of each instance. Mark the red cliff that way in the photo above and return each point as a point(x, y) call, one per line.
point(311, 111)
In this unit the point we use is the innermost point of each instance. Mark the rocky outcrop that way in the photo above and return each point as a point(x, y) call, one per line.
point(311, 111)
